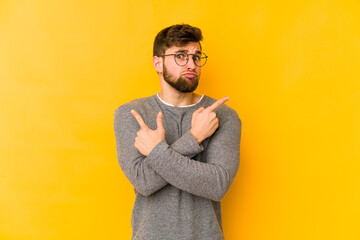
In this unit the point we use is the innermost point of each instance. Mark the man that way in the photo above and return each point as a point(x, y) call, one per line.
point(179, 150)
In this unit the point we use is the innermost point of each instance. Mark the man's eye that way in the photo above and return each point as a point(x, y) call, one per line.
point(196, 57)
point(180, 56)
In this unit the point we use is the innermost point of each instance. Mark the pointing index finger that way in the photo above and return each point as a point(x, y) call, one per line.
point(138, 119)
point(217, 104)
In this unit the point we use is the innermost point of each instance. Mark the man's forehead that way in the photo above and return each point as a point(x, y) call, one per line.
point(189, 47)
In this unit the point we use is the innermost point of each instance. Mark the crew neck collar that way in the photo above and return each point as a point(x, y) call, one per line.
point(168, 104)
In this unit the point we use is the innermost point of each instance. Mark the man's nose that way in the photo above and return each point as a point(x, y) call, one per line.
point(190, 64)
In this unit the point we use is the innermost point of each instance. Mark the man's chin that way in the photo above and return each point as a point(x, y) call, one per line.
point(184, 84)
point(188, 89)
point(191, 80)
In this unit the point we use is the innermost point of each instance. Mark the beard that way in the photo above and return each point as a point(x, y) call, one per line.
point(180, 84)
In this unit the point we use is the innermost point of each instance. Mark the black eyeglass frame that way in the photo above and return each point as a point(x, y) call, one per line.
point(187, 58)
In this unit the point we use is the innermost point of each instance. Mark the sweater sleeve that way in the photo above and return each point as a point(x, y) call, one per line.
point(187, 146)
point(210, 179)
point(144, 179)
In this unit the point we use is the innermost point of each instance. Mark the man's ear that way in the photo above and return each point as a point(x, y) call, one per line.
point(158, 65)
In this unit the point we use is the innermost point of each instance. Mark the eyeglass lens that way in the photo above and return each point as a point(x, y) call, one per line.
point(183, 58)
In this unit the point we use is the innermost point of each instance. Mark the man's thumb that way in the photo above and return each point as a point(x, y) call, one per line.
point(159, 121)
point(199, 110)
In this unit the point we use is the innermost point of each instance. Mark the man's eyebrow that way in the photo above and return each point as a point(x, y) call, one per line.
point(186, 51)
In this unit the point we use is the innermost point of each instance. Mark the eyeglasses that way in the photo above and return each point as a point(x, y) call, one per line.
point(182, 58)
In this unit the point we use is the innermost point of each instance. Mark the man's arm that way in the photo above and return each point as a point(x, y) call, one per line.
point(211, 179)
point(144, 179)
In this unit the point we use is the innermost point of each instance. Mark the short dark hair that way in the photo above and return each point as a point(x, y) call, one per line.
point(175, 35)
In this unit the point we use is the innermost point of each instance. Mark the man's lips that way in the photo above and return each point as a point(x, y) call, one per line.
point(190, 75)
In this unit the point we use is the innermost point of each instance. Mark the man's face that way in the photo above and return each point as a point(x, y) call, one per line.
point(183, 78)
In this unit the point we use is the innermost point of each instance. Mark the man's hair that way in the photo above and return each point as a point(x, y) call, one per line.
point(176, 35)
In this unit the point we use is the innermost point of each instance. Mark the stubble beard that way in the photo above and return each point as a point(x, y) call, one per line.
point(180, 84)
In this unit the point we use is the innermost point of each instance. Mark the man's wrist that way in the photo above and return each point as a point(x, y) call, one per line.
point(198, 140)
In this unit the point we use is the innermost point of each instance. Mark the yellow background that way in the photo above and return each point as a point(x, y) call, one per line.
point(291, 69)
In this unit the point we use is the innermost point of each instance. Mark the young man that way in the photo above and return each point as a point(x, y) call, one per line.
point(179, 150)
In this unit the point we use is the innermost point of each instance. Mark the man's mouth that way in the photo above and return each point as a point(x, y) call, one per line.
point(190, 75)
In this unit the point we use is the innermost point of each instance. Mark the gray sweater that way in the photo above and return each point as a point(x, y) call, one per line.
point(179, 185)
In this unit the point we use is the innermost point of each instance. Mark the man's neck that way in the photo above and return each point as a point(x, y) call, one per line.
point(179, 99)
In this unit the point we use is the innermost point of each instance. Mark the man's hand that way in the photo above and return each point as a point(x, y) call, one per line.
point(147, 138)
point(204, 121)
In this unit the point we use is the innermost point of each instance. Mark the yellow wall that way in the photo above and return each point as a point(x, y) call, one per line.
point(291, 69)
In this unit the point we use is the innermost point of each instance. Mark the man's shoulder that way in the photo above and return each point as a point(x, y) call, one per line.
point(225, 114)
point(224, 109)
point(137, 104)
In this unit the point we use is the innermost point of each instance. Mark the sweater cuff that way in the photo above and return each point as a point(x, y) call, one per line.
point(156, 152)
point(187, 145)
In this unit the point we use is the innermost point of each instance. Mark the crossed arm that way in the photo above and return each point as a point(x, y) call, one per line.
point(203, 124)
point(160, 164)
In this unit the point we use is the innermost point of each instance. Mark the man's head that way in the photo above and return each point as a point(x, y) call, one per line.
point(178, 57)
point(177, 35)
